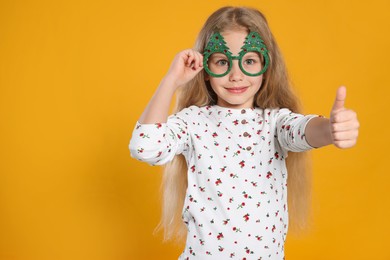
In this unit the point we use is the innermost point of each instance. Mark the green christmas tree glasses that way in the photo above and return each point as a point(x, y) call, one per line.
point(253, 58)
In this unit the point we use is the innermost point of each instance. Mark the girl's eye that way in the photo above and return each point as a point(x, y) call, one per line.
point(250, 61)
point(222, 62)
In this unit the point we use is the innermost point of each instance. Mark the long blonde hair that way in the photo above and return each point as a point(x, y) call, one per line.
point(276, 92)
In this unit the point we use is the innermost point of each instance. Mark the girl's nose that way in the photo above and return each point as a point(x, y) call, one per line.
point(235, 73)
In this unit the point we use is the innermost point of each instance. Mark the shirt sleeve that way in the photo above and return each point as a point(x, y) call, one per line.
point(290, 130)
point(158, 143)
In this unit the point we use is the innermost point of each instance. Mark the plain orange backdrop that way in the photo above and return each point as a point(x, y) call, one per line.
point(76, 75)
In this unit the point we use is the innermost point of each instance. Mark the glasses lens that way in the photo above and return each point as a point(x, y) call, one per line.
point(251, 62)
point(218, 63)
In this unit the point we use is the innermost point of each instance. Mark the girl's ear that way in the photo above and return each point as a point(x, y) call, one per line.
point(206, 77)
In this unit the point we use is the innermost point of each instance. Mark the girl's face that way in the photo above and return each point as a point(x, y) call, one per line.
point(235, 90)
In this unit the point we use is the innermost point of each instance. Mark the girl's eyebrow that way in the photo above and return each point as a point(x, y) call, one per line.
point(250, 54)
point(219, 53)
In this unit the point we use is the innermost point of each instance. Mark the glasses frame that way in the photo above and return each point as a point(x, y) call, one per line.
point(252, 43)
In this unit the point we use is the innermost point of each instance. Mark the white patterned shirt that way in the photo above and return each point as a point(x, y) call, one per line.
point(236, 201)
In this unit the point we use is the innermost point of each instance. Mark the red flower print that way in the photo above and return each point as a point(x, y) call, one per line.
point(233, 175)
point(192, 199)
point(246, 217)
point(246, 195)
point(143, 135)
point(248, 251)
point(191, 251)
point(242, 164)
point(259, 238)
point(240, 206)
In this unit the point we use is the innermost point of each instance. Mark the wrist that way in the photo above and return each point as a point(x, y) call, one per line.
point(168, 85)
point(318, 132)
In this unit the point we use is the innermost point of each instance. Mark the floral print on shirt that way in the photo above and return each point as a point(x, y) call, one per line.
point(236, 201)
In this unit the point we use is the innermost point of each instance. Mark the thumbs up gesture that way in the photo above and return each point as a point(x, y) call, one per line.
point(343, 122)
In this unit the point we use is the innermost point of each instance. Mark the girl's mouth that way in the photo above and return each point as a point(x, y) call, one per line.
point(237, 90)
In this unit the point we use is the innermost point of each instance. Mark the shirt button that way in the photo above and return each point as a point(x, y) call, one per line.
point(249, 148)
point(246, 134)
point(243, 111)
point(243, 121)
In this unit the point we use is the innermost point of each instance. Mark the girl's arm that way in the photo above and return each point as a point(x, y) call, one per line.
point(154, 140)
point(184, 67)
point(341, 129)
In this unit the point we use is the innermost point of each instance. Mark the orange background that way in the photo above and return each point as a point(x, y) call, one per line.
point(76, 75)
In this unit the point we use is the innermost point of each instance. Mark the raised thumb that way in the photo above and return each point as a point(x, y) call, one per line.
point(340, 98)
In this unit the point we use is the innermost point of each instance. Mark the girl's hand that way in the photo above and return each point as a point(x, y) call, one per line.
point(184, 67)
point(343, 122)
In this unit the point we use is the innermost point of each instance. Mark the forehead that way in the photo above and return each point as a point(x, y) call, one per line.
point(234, 39)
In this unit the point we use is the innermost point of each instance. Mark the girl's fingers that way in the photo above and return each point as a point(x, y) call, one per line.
point(190, 58)
point(197, 59)
point(193, 59)
point(346, 135)
point(343, 116)
point(345, 126)
point(345, 144)
point(200, 59)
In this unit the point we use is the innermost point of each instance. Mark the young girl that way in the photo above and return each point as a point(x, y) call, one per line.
point(236, 131)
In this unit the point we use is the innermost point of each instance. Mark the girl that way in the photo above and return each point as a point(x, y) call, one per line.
point(232, 145)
